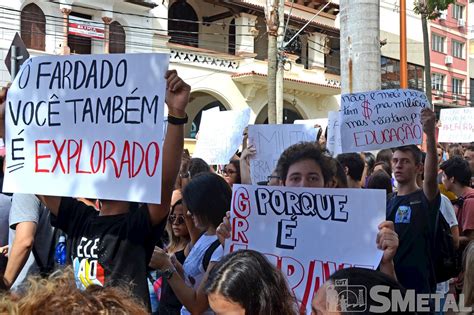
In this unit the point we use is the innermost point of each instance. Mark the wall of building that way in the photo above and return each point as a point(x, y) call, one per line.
point(452, 29)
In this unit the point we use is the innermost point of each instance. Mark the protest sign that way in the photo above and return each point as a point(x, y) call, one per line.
point(88, 126)
point(220, 135)
point(457, 125)
point(323, 122)
point(308, 233)
point(333, 141)
point(270, 141)
point(381, 119)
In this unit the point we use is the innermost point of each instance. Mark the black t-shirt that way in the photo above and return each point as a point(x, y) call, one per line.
point(111, 250)
point(169, 303)
point(414, 218)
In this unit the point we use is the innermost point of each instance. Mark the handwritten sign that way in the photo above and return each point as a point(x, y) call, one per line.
point(220, 135)
point(308, 233)
point(381, 119)
point(89, 126)
point(270, 141)
point(333, 141)
point(457, 125)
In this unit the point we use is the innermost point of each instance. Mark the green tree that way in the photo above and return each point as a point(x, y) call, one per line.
point(429, 10)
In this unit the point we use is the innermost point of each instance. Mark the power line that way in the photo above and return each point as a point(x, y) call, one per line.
point(145, 16)
point(60, 23)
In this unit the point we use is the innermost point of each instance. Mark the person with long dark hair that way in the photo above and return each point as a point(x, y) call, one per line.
point(245, 282)
point(207, 197)
point(232, 173)
point(177, 248)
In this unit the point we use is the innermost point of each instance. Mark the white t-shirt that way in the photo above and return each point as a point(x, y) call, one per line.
point(447, 210)
point(193, 269)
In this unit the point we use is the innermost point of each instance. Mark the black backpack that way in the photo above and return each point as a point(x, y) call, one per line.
point(445, 258)
point(443, 254)
point(48, 267)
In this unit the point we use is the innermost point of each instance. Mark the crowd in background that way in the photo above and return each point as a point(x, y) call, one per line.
point(67, 255)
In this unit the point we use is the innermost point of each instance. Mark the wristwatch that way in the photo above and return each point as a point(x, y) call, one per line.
point(168, 273)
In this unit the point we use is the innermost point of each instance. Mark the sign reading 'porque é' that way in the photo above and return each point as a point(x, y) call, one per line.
point(308, 233)
point(89, 126)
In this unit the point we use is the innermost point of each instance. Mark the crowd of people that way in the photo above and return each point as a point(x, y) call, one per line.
point(73, 255)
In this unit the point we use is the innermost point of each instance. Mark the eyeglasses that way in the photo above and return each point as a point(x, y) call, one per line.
point(228, 172)
point(179, 219)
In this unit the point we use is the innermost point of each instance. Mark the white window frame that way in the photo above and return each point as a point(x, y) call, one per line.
point(458, 11)
point(437, 42)
point(457, 86)
point(437, 81)
point(457, 49)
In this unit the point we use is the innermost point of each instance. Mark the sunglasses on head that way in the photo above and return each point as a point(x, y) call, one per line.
point(178, 219)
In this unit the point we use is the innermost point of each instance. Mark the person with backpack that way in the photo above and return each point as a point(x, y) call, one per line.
point(207, 197)
point(31, 240)
point(414, 211)
point(456, 178)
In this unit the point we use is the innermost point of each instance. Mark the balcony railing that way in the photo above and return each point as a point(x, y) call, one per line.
point(204, 60)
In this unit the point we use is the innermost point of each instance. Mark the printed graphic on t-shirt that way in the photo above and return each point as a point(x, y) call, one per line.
point(87, 269)
point(403, 214)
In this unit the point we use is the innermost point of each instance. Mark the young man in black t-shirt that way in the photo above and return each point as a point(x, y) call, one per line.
point(413, 210)
point(114, 246)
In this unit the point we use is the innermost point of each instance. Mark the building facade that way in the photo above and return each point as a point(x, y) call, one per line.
point(449, 43)
point(390, 46)
point(219, 47)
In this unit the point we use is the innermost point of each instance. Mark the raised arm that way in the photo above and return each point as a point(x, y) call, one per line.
point(430, 185)
point(247, 153)
point(177, 98)
point(51, 202)
point(20, 250)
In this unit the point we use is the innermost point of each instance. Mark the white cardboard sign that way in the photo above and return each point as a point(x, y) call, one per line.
point(381, 119)
point(220, 135)
point(323, 122)
point(309, 233)
point(270, 141)
point(333, 141)
point(87, 126)
point(457, 125)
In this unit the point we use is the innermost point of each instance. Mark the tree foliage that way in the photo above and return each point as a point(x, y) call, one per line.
point(431, 9)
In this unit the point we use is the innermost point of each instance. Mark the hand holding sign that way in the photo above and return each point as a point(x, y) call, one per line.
point(387, 240)
point(428, 120)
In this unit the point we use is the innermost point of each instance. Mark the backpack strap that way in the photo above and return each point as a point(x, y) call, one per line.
point(46, 269)
point(208, 254)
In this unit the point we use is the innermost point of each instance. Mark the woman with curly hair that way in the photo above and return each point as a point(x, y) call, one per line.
point(245, 282)
point(58, 294)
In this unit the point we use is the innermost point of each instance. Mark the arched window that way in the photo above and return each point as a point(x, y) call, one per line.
point(182, 26)
point(197, 120)
point(33, 27)
point(290, 114)
point(232, 37)
point(116, 38)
